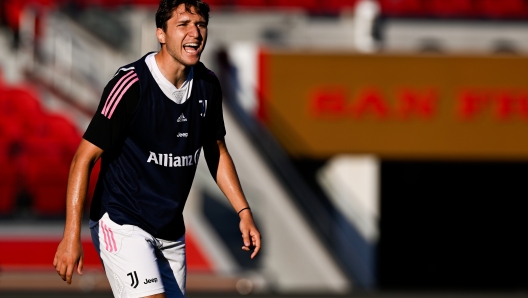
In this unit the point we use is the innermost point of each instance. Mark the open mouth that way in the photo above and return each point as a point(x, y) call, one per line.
point(191, 48)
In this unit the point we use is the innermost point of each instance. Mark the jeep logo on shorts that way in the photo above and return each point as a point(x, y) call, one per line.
point(147, 281)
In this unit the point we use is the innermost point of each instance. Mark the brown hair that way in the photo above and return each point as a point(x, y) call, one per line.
point(166, 7)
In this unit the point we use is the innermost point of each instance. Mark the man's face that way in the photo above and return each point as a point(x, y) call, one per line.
point(185, 36)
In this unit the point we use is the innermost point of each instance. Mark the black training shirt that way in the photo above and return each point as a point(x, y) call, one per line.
point(151, 147)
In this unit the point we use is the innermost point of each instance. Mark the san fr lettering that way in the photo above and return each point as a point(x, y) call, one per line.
point(418, 104)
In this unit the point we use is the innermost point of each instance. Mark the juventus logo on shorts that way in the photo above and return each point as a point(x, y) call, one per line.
point(135, 280)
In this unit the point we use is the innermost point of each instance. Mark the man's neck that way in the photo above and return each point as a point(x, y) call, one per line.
point(172, 70)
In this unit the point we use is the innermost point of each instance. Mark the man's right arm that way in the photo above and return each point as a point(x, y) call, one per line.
point(70, 253)
point(107, 129)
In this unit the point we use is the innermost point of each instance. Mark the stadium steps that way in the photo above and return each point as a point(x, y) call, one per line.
point(293, 258)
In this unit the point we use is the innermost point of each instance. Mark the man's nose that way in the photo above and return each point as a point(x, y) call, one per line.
point(194, 31)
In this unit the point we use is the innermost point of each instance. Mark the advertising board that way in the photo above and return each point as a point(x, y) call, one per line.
point(396, 106)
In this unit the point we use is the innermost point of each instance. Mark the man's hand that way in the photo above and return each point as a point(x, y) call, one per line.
point(68, 256)
point(223, 171)
point(250, 233)
point(70, 253)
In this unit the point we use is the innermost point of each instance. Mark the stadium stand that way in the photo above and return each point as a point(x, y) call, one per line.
point(8, 136)
point(8, 181)
point(396, 8)
point(450, 8)
point(13, 13)
point(340, 5)
point(242, 3)
point(36, 148)
point(513, 9)
point(46, 181)
point(480, 9)
point(310, 5)
point(49, 151)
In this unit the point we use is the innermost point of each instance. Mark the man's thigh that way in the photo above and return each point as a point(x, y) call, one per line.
point(173, 267)
point(129, 259)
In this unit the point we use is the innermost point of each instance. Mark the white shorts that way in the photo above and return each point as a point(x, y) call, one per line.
point(138, 264)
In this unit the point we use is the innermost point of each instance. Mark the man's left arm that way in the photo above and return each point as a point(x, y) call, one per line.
point(223, 171)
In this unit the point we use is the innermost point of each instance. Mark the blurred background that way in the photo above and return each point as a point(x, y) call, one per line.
point(382, 144)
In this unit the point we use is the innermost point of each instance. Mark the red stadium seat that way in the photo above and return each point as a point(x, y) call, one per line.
point(47, 156)
point(144, 2)
point(10, 129)
point(103, 3)
point(450, 8)
point(47, 143)
point(8, 184)
point(113, 3)
point(250, 3)
point(52, 136)
point(44, 3)
point(337, 6)
point(401, 7)
point(11, 136)
point(13, 13)
point(37, 148)
point(310, 5)
point(502, 8)
point(62, 132)
point(59, 126)
point(46, 182)
point(22, 99)
point(4, 149)
point(33, 124)
point(45, 174)
point(21, 103)
point(14, 9)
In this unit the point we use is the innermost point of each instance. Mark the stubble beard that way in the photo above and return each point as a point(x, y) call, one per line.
point(179, 60)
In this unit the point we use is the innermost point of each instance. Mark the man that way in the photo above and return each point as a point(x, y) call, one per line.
point(154, 117)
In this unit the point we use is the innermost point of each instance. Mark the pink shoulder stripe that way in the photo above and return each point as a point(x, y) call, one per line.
point(120, 96)
point(114, 89)
point(119, 93)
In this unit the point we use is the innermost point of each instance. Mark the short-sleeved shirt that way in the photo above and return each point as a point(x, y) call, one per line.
point(151, 145)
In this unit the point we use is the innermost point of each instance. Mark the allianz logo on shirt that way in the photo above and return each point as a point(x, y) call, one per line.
point(167, 160)
point(182, 135)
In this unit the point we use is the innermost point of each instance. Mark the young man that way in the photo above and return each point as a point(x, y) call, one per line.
point(154, 117)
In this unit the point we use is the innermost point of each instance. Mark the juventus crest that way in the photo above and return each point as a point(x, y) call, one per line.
point(204, 107)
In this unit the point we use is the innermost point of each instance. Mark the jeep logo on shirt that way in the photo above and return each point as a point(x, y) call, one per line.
point(147, 281)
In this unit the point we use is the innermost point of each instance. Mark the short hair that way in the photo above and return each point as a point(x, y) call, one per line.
point(166, 8)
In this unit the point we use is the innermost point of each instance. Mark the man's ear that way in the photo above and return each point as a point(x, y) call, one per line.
point(160, 34)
